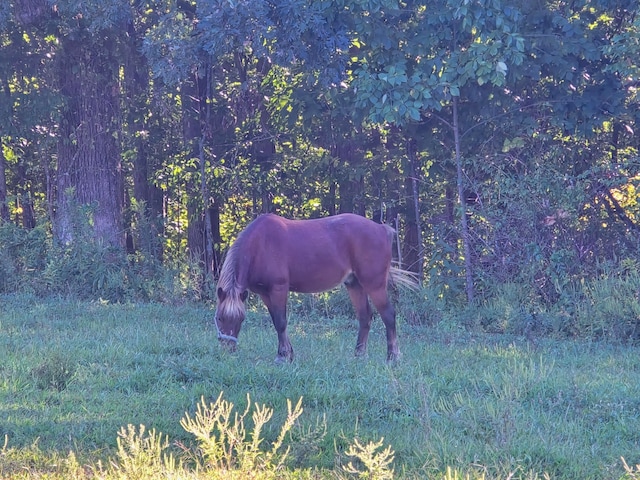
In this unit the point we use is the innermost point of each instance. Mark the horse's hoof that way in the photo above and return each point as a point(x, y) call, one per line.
point(282, 360)
point(393, 357)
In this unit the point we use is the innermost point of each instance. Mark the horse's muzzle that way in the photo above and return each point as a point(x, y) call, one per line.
point(228, 341)
point(229, 344)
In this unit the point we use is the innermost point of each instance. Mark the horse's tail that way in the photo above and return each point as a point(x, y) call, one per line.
point(404, 278)
point(397, 275)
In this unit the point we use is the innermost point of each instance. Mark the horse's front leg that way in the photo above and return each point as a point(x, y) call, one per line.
point(276, 302)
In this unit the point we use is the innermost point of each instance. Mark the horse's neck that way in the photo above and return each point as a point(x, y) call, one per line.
point(241, 272)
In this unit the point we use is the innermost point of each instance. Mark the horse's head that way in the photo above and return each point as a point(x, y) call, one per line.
point(229, 316)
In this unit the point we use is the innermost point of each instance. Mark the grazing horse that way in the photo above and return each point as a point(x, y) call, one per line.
point(273, 256)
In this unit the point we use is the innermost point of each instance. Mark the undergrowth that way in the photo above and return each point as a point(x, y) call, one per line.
point(604, 305)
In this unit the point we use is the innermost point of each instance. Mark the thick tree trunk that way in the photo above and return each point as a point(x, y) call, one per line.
point(89, 170)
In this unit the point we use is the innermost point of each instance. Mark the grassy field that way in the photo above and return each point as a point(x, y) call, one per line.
point(457, 405)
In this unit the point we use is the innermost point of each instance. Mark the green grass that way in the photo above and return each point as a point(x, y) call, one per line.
point(457, 405)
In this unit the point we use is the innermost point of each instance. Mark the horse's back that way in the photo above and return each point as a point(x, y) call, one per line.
point(317, 254)
point(346, 233)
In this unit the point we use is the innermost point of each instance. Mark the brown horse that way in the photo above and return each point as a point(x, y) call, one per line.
point(274, 256)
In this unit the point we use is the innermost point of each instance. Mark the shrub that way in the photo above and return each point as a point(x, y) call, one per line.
point(23, 255)
point(87, 270)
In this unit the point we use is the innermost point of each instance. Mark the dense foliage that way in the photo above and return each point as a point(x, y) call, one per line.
point(498, 136)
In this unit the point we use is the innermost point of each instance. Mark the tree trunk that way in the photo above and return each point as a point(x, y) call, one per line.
point(4, 207)
point(329, 200)
point(24, 200)
point(209, 259)
point(192, 132)
point(348, 188)
point(410, 256)
point(89, 171)
point(263, 152)
point(464, 225)
point(415, 195)
point(216, 237)
point(145, 192)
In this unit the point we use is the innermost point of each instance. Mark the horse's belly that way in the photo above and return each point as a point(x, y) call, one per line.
point(315, 281)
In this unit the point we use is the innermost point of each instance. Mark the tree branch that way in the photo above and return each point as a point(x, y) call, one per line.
point(615, 209)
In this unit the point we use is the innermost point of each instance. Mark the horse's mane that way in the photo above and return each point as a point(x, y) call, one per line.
point(228, 282)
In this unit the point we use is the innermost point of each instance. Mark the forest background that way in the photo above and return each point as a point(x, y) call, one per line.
point(498, 137)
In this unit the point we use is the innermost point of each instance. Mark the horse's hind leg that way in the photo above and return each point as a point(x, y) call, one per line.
point(363, 312)
point(380, 299)
point(276, 302)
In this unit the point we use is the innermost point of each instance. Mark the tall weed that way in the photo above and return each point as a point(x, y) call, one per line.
point(142, 455)
point(608, 308)
point(226, 444)
point(375, 464)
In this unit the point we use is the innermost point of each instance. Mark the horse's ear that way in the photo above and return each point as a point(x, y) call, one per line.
point(221, 295)
point(244, 295)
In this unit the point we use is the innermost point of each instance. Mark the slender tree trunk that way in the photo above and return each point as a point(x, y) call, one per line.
point(202, 220)
point(23, 195)
point(192, 100)
point(329, 200)
point(4, 207)
point(464, 225)
point(89, 171)
point(348, 188)
point(145, 192)
point(410, 256)
point(209, 261)
point(263, 153)
point(415, 194)
point(220, 132)
point(214, 219)
point(50, 186)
